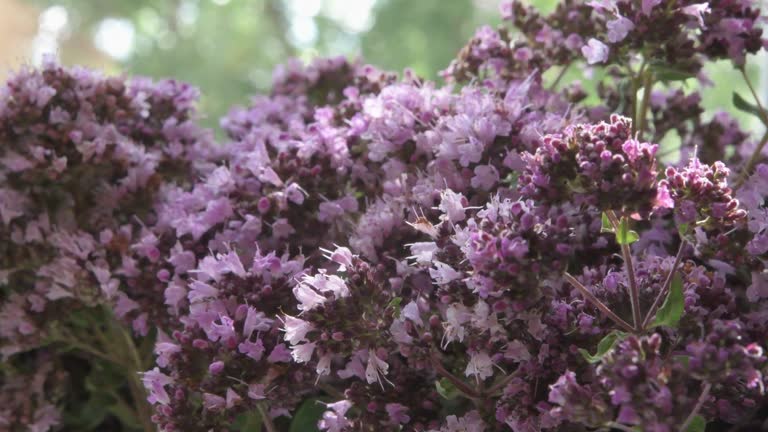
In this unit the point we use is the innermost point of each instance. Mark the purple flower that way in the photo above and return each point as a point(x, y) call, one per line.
point(595, 51)
point(618, 29)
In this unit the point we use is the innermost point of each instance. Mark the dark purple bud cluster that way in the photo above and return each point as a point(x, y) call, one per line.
point(600, 165)
point(702, 196)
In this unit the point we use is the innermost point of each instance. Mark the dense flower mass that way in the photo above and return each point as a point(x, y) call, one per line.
point(503, 250)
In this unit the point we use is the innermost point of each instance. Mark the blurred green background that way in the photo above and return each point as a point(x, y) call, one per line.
point(228, 48)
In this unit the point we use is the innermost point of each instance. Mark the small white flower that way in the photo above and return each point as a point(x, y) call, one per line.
point(324, 365)
point(376, 369)
point(303, 353)
point(307, 297)
point(296, 329)
point(479, 366)
point(443, 274)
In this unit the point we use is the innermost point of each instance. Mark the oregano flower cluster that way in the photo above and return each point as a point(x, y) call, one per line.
point(366, 251)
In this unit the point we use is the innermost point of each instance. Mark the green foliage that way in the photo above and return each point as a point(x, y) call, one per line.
point(104, 401)
point(248, 422)
point(605, 345)
point(394, 304)
point(446, 389)
point(665, 73)
point(671, 311)
point(625, 236)
point(399, 40)
point(229, 48)
point(607, 227)
point(698, 424)
point(742, 105)
point(306, 417)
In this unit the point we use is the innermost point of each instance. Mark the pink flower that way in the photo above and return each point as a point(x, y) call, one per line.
point(155, 382)
point(255, 321)
point(212, 402)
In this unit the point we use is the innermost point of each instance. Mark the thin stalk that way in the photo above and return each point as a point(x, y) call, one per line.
point(634, 291)
point(461, 385)
point(139, 397)
point(560, 76)
point(87, 349)
point(647, 86)
point(764, 117)
point(763, 113)
point(269, 425)
point(598, 304)
point(751, 162)
point(331, 391)
point(635, 87)
point(138, 392)
point(621, 427)
point(501, 384)
point(697, 408)
point(664, 288)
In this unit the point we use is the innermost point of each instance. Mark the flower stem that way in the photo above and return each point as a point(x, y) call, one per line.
point(636, 81)
point(647, 86)
point(560, 76)
point(750, 165)
point(759, 150)
point(664, 288)
point(269, 425)
point(697, 408)
point(501, 384)
point(598, 304)
point(138, 393)
point(634, 291)
point(763, 113)
point(461, 385)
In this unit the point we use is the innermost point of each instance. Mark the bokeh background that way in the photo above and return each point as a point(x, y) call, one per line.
point(228, 48)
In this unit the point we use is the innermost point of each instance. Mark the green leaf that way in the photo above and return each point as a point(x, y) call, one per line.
point(394, 304)
point(511, 179)
point(625, 236)
point(603, 347)
point(607, 226)
point(248, 422)
point(126, 415)
point(682, 229)
point(446, 389)
point(671, 311)
point(575, 186)
point(742, 105)
point(684, 359)
point(307, 416)
point(697, 424)
point(667, 73)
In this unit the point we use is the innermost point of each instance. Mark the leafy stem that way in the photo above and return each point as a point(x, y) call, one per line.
point(634, 291)
point(647, 86)
point(598, 304)
point(269, 425)
point(699, 403)
point(664, 288)
point(456, 381)
point(636, 82)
